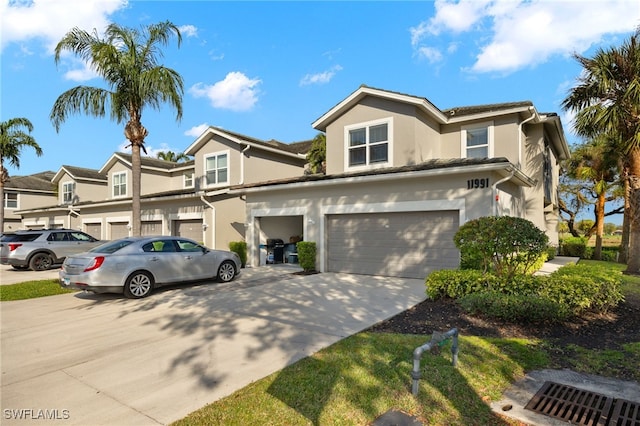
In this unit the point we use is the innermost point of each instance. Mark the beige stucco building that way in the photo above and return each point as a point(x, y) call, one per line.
point(401, 177)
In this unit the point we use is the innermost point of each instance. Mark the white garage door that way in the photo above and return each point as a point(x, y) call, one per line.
point(407, 244)
point(189, 229)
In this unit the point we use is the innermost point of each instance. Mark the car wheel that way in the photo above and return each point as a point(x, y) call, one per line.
point(19, 267)
point(226, 271)
point(40, 262)
point(138, 285)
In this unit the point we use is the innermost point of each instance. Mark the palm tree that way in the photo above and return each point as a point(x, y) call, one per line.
point(606, 100)
point(172, 156)
point(317, 154)
point(127, 60)
point(14, 135)
point(596, 164)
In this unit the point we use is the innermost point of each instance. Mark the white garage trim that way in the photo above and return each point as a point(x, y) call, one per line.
point(388, 207)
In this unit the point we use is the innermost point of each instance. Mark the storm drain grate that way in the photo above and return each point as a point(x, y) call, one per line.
point(582, 407)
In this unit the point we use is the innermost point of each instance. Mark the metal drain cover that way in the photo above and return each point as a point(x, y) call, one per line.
point(582, 407)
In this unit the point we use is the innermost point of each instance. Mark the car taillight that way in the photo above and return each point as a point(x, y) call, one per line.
point(13, 246)
point(95, 263)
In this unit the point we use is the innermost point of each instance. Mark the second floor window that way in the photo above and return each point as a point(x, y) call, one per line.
point(476, 141)
point(68, 191)
point(217, 169)
point(10, 200)
point(120, 184)
point(188, 180)
point(368, 144)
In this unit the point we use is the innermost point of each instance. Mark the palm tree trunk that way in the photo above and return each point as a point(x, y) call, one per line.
point(600, 202)
point(136, 174)
point(2, 179)
point(633, 263)
point(624, 243)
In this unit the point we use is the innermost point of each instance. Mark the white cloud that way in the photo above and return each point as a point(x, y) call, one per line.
point(518, 34)
point(320, 78)
point(47, 21)
point(188, 30)
point(81, 72)
point(236, 92)
point(432, 54)
point(196, 131)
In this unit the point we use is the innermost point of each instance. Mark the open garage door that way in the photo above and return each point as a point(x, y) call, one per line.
point(403, 244)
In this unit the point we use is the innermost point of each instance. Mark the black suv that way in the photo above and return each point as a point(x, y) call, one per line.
point(41, 249)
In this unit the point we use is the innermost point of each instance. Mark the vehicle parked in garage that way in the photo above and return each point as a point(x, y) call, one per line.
point(40, 249)
point(136, 266)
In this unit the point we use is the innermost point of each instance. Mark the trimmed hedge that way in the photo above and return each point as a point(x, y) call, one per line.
point(517, 308)
point(240, 248)
point(307, 255)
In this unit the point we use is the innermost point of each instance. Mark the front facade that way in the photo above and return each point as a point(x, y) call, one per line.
point(26, 192)
point(188, 199)
point(402, 176)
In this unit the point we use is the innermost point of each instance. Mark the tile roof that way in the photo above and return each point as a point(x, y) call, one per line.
point(301, 147)
point(156, 162)
point(36, 182)
point(81, 172)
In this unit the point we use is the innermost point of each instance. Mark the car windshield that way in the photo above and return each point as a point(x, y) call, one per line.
point(111, 247)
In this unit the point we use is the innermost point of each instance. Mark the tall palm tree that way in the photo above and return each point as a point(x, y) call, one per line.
point(127, 60)
point(606, 100)
point(14, 135)
point(172, 156)
point(595, 163)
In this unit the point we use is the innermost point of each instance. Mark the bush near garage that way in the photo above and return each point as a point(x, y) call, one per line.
point(501, 254)
point(503, 245)
point(240, 248)
point(307, 255)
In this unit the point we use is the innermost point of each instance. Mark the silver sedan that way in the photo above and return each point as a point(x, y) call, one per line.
point(136, 265)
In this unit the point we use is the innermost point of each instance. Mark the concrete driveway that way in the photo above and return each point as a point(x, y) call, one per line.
point(102, 359)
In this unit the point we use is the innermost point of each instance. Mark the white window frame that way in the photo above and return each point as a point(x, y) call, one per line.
point(367, 125)
point(5, 200)
point(113, 184)
point(204, 165)
point(463, 138)
point(64, 191)
point(188, 179)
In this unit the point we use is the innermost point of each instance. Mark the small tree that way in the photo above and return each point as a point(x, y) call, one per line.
point(317, 154)
point(506, 245)
point(240, 248)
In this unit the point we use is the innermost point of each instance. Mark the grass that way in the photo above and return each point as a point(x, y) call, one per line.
point(361, 377)
point(31, 290)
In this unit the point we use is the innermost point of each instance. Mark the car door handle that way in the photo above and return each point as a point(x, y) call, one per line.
point(154, 259)
point(187, 257)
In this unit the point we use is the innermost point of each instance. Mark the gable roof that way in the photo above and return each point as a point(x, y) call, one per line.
point(80, 174)
point(295, 150)
point(38, 182)
point(146, 163)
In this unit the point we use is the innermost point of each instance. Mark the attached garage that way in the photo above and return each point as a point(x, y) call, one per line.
point(94, 229)
point(399, 244)
point(189, 229)
point(118, 230)
point(151, 227)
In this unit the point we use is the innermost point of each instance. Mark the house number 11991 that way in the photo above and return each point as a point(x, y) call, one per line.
point(478, 183)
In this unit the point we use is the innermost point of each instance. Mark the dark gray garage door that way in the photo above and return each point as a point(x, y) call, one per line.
point(411, 244)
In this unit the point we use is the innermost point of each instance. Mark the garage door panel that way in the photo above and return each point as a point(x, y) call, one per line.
point(410, 244)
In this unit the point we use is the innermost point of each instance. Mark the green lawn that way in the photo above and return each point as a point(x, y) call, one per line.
point(30, 290)
point(359, 378)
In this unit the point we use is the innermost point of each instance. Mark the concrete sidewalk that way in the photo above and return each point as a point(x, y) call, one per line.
point(555, 264)
point(105, 360)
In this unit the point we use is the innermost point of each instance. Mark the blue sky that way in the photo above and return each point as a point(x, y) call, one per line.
point(269, 69)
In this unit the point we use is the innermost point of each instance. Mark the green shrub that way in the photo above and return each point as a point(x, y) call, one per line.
point(504, 245)
point(610, 254)
point(552, 251)
point(516, 308)
point(583, 287)
point(574, 247)
point(307, 255)
point(240, 248)
point(457, 283)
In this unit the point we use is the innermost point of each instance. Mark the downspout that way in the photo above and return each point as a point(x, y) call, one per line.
point(242, 164)
point(213, 218)
point(71, 211)
point(494, 192)
point(534, 114)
